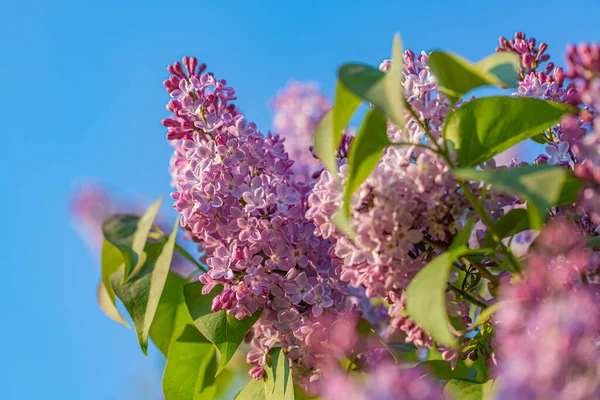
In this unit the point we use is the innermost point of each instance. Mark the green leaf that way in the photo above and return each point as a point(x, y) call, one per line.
point(344, 108)
point(503, 66)
point(223, 381)
point(129, 233)
point(540, 138)
point(461, 240)
point(191, 367)
point(426, 300)
point(483, 128)
point(570, 190)
point(487, 313)
point(171, 313)
point(456, 76)
point(594, 242)
point(365, 328)
point(108, 305)
point(540, 185)
point(254, 390)
point(365, 152)
point(278, 377)
point(443, 370)
point(224, 330)
point(324, 143)
point(466, 390)
point(141, 293)
point(511, 223)
point(111, 261)
point(382, 89)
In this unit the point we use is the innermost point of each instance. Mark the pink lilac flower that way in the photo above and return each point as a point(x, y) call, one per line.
point(385, 382)
point(298, 109)
point(547, 335)
point(410, 195)
point(238, 195)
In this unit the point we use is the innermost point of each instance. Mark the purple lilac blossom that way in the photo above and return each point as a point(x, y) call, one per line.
point(237, 195)
point(385, 382)
point(547, 335)
point(297, 109)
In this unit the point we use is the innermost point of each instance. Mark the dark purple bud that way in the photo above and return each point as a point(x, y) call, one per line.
point(178, 68)
point(169, 123)
point(532, 42)
point(541, 159)
point(193, 65)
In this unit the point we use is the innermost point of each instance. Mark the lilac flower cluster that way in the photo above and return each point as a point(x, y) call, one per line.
point(236, 195)
point(298, 108)
point(584, 70)
point(385, 382)
point(90, 205)
point(410, 196)
point(548, 82)
point(547, 335)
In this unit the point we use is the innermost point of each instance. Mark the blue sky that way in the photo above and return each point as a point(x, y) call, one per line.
point(83, 100)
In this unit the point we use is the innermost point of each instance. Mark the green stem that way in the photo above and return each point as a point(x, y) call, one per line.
point(477, 206)
point(468, 296)
point(436, 245)
point(161, 236)
point(486, 220)
point(421, 145)
point(189, 257)
point(483, 271)
point(412, 112)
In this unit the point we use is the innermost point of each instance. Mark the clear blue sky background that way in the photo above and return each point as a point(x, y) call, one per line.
point(82, 98)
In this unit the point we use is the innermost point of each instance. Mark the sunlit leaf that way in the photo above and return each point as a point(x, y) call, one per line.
point(365, 152)
point(142, 292)
point(381, 89)
point(483, 128)
point(426, 300)
point(111, 261)
point(129, 233)
point(278, 377)
point(511, 223)
point(467, 390)
point(486, 314)
point(541, 185)
point(254, 390)
point(171, 313)
point(108, 305)
point(441, 369)
point(456, 76)
point(503, 66)
point(191, 366)
point(224, 330)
